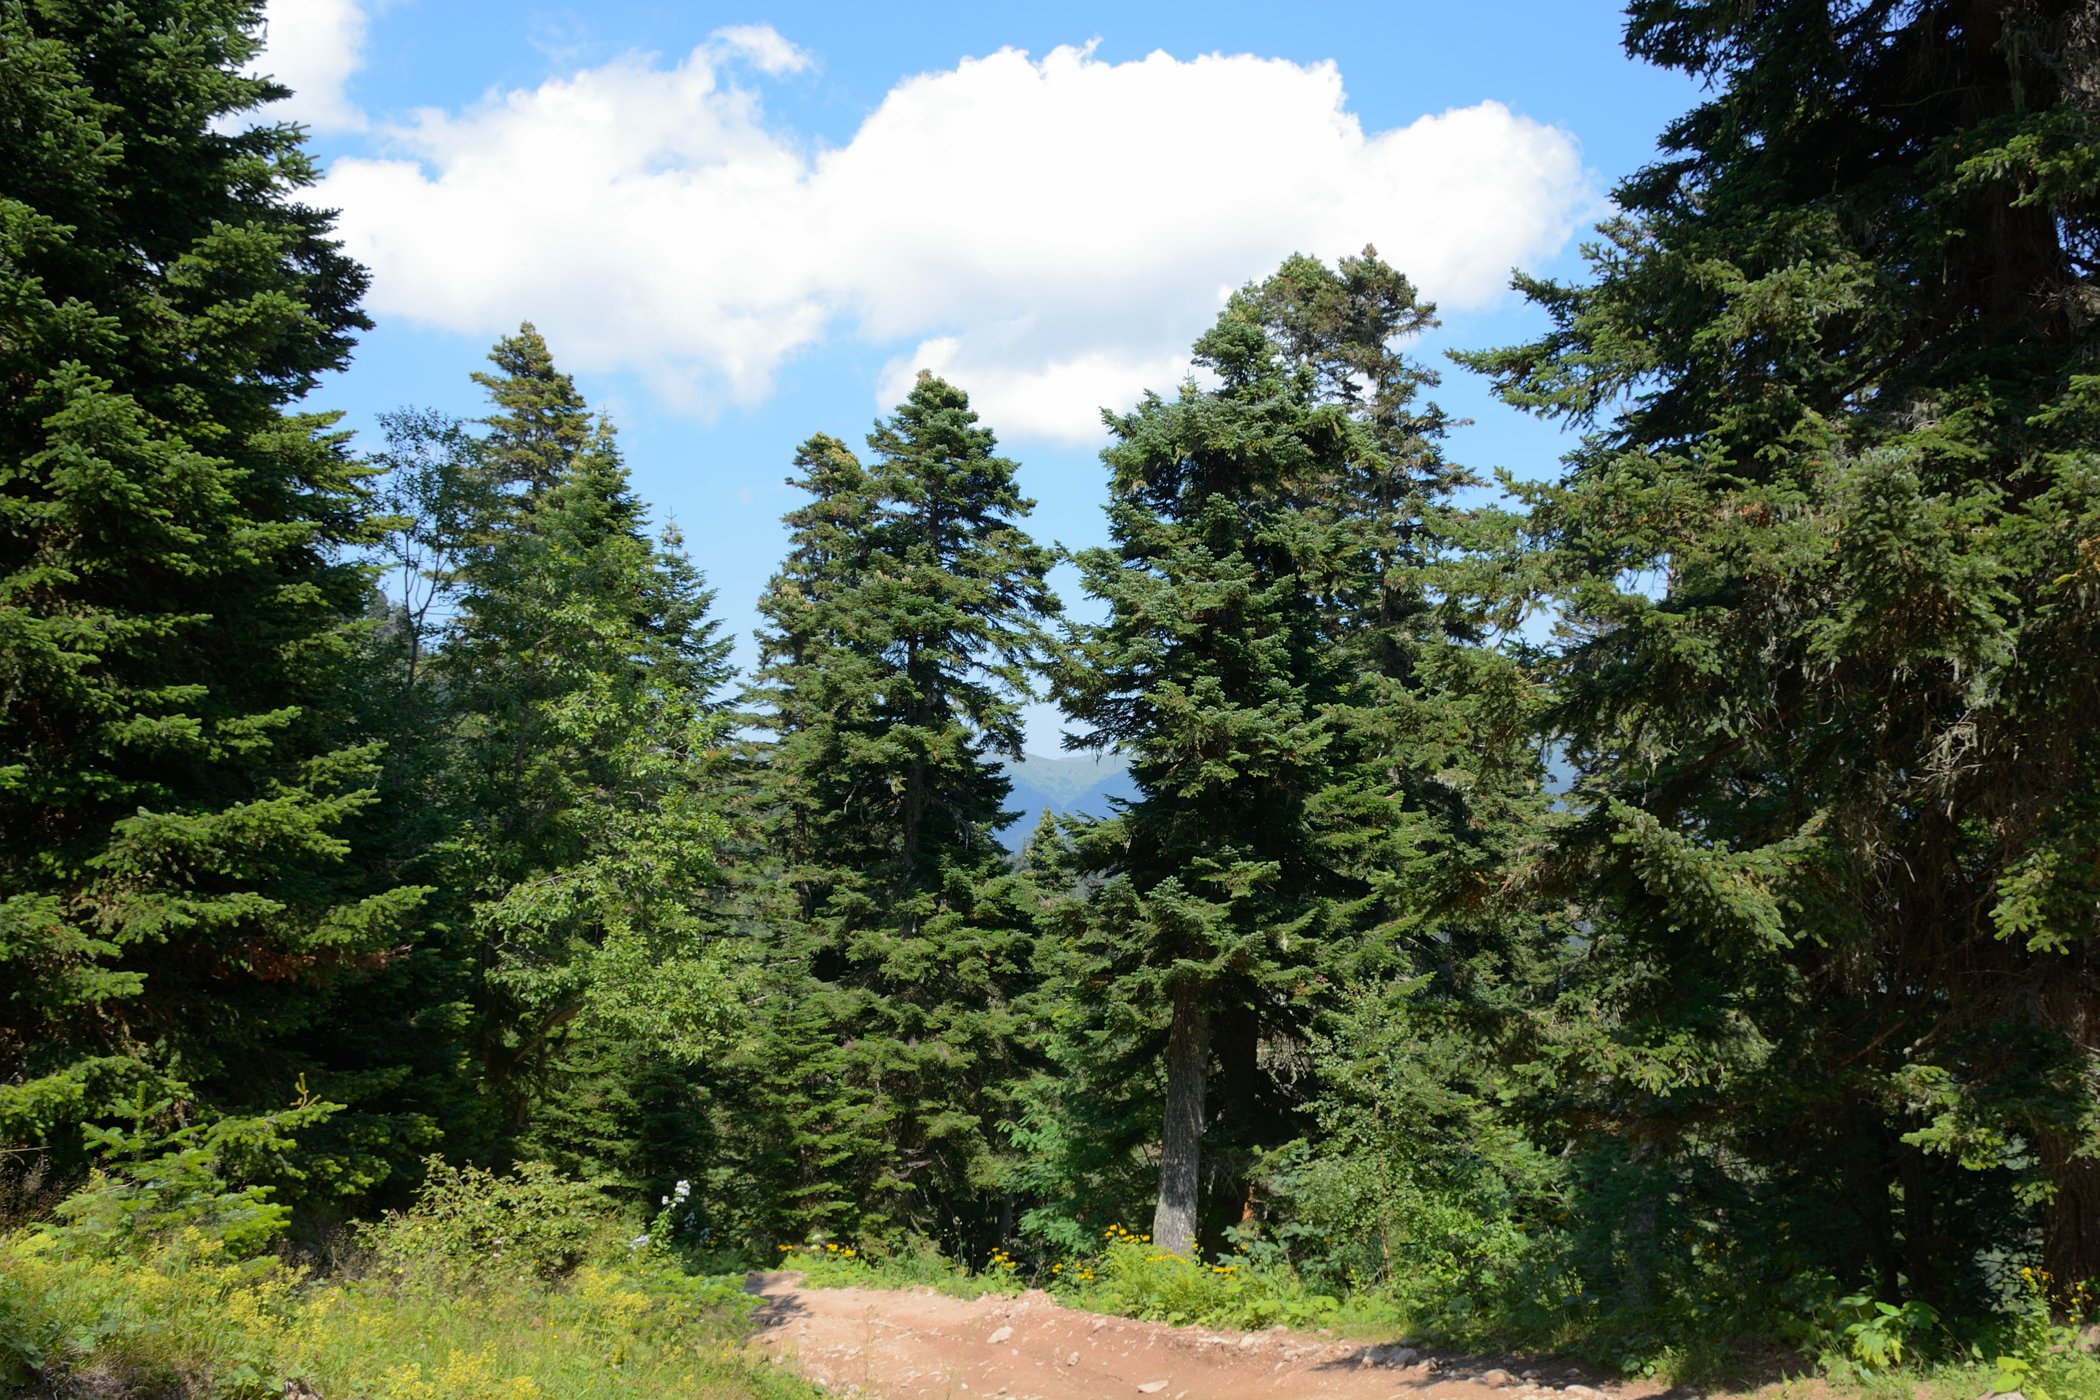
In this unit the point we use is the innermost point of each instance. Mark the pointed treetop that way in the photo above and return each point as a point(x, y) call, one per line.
point(827, 467)
point(541, 421)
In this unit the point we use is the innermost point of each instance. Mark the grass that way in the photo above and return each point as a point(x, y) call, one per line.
point(1127, 1277)
point(184, 1320)
point(599, 1333)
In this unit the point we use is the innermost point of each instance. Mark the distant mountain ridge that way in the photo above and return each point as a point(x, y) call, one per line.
point(1070, 785)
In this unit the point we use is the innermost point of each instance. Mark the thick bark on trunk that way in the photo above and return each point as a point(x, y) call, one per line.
point(1188, 1061)
point(2071, 1222)
point(1233, 1102)
point(1921, 1235)
point(1871, 1178)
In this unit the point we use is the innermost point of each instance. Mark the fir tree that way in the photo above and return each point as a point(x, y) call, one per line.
point(182, 754)
point(1828, 623)
point(905, 625)
point(541, 423)
point(1270, 662)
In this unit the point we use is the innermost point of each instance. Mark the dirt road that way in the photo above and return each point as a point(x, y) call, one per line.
point(893, 1345)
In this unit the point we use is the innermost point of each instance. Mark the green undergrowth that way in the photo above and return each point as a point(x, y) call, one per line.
point(491, 1288)
point(1126, 1277)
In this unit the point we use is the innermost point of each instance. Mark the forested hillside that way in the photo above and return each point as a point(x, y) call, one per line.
point(1654, 912)
point(1082, 785)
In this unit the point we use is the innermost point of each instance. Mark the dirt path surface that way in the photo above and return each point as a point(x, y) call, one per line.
point(898, 1344)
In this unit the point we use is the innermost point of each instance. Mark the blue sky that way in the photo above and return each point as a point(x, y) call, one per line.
point(740, 226)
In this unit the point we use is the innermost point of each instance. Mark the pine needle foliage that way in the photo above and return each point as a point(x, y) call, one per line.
point(579, 679)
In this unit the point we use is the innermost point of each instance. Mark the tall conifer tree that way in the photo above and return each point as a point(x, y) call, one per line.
point(1830, 595)
point(904, 628)
point(179, 760)
point(581, 676)
point(540, 423)
point(1271, 662)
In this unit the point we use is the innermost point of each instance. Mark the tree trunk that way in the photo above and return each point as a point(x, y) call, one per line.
point(1921, 1234)
point(1870, 1179)
point(2070, 1006)
point(2071, 1221)
point(1188, 1059)
point(1234, 1101)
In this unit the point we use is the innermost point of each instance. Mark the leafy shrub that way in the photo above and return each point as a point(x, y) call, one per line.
point(910, 1263)
point(187, 1319)
point(1137, 1281)
point(184, 1316)
point(469, 1224)
point(915, 1263)
point(829, 1264)
point(1127, 1276)
point(1878, 1332)
point(1131, 1277)
point(1419, 1189)
point(152, 1276)
point(2042, 1357)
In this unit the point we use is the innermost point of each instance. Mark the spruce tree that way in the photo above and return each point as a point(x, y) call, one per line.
point(182, 753)
point(1825, 565)
point(820, 678)
point(904, 628)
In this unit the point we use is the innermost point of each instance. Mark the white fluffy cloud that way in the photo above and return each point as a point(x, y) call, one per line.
point(1056, 396)
point(1048, 232)
point(313, 47)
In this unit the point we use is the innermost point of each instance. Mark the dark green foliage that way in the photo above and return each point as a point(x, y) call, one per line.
point(1415, 1179)
point(1282, 663)
point(580, 829)
point(215, 1178)
point(470, 1226)
point(181, 763)
point(904, 628)
point(352, 810)
point(1827, 577)
point(541, 424)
